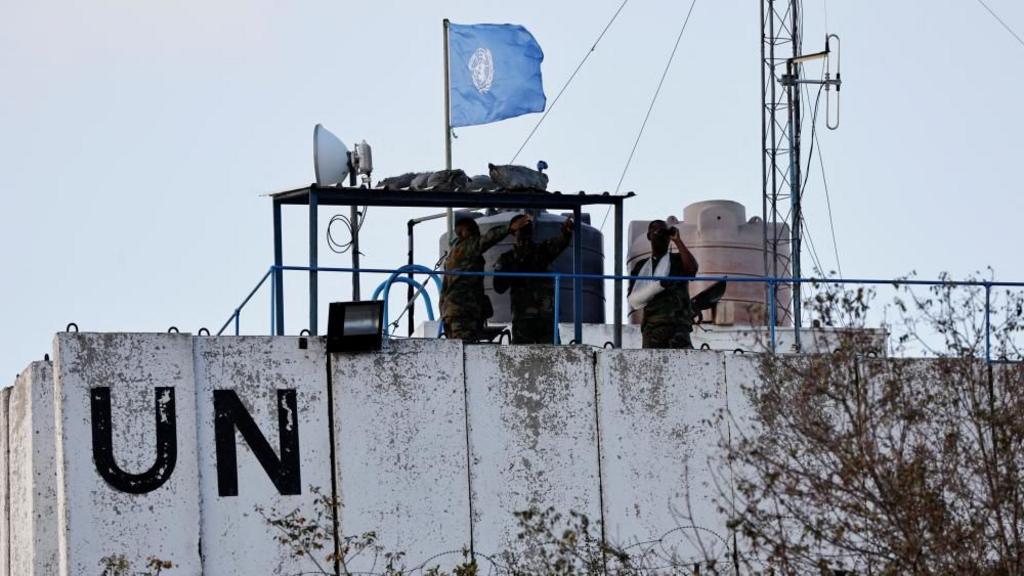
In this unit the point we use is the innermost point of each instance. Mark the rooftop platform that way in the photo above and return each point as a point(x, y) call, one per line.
point(313, 196)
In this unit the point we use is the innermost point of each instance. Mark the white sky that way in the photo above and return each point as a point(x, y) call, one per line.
point(135, 138)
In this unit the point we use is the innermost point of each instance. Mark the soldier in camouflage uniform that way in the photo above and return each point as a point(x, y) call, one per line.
point(532, 298)
point(668, 316)
point(464, 306)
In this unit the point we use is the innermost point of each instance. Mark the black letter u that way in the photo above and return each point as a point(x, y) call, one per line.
point(166, 444)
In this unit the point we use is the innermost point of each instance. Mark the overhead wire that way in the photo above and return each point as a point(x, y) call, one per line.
point(807, 176)
point(828, 205)
point(657, 91)
point(819, 270)
point(572, 76)
point(816, 144)
point(1002, 22)
point(650, 108)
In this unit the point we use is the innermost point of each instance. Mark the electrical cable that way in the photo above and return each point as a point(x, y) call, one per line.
point(343, 247)
point(828, 204)
point(815, 143)
point(654, 99)
point(547, 110)
point(819, 270)
point(1001, 21)
point(650, 108)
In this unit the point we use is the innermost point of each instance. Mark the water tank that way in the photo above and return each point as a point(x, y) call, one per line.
point(725, 243)
point(547, 225)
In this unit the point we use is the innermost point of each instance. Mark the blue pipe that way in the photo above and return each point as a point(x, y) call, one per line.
point(386, 288)
point(396, 276)
point(410, 268)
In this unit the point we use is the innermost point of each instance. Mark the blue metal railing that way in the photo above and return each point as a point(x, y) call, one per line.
point(772, 283)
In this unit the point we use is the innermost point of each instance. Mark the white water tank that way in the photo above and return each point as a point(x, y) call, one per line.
point(725, 243)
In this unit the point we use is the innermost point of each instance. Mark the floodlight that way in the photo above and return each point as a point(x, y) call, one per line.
point(330, 157)
point(355, 326)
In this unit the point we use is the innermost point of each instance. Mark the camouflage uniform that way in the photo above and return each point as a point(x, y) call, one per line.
point(668, 317)
point(532, 298)
point(464, 306)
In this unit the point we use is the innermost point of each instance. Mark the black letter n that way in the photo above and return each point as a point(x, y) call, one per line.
point(230, 414)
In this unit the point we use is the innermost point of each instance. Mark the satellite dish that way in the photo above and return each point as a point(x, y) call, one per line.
point(330, 157)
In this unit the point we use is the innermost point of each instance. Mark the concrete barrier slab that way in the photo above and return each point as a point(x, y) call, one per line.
point(5, 488)
point(137, 495)
point(33, 473)
point(742, 377)
point(658, 435)
point(267, 377)
point(401, 449)
point(533, 436)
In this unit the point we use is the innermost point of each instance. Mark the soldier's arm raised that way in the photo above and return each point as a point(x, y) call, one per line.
point(492, 237)
point(498, 233)
point(689, 262)
point(552, 247)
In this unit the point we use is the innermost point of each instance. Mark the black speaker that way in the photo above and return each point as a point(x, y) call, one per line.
point(355, 326)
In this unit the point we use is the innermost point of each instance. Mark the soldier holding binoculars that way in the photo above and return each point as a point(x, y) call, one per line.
point(667, 310)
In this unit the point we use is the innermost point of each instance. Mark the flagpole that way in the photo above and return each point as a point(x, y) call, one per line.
point(448, 127)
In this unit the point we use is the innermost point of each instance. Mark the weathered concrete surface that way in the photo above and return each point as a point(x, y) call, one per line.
point(236, 538)
point(400, 426)
point(722, 338)
point(436, 444)
point(5, 491)
point(33, 473)
point(658, 435)
point(533, 436)
point(95, 519)
point(742, 374)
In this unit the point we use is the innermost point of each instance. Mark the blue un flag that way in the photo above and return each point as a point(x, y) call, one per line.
point(494, 73)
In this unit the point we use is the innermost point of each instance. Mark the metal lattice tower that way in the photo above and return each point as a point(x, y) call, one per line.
point(780, 139)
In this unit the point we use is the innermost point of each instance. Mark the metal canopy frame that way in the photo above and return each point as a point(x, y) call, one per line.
point(314, 196)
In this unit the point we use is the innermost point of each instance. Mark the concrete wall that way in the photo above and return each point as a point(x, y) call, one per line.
point(33, 473)
point(401, 449)
point(436, 445)
point(658, 438)
point(532, 436)
point(95, 518)
point(5, 492)
point(706, 337)
point(236, 538)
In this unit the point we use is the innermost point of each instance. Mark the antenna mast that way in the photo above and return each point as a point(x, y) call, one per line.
point(780, 144)
point(781, 66)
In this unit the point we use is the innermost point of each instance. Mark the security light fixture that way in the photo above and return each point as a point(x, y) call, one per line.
point(355, 326)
